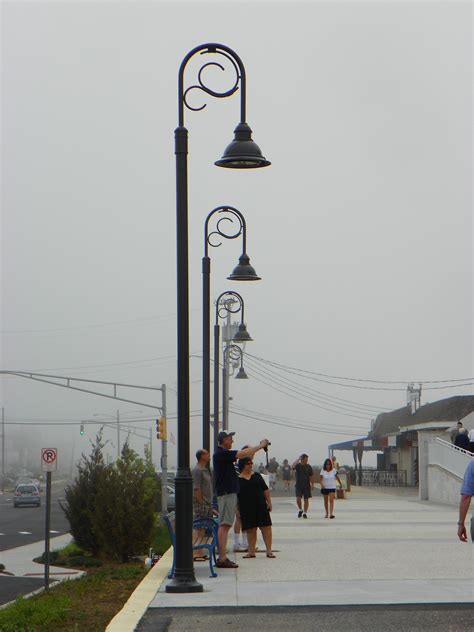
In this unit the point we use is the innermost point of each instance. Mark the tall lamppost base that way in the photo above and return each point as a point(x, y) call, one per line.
point(184, 585)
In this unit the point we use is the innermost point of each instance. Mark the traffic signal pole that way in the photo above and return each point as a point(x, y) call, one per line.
point(164, 459)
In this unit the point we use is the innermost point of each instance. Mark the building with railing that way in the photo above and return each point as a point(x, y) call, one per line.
point(402, 437)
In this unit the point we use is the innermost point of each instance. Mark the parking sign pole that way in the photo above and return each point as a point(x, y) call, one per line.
point(49, 463)
point(47, 530)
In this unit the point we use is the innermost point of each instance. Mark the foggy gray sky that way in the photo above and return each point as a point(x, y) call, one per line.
point(361, 229)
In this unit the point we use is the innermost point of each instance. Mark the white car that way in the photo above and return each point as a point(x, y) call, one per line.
point(26, 494)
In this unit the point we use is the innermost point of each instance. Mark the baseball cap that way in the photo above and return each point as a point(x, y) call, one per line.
point(223, 434)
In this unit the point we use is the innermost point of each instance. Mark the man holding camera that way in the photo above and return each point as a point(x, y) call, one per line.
point(227, 486)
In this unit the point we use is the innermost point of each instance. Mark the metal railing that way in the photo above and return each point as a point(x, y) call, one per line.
point(384, 478)
point(448, 456)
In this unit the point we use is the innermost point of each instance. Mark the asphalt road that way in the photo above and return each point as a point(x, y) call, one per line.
point(12, 587)
point(403, 618)
point(25, 525)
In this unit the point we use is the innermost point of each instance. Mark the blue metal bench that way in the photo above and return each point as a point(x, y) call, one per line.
point(208, 541)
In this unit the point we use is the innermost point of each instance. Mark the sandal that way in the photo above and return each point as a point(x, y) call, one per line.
point(226, 563)
point(248, 556)
point(270, 554)
point(201, 558)
point(331, 517)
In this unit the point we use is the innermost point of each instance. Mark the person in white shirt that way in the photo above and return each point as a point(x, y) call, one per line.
point(470, 447)
point(328, 477)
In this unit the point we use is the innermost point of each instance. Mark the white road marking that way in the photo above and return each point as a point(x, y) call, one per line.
point(25, 532)
point(55, 531)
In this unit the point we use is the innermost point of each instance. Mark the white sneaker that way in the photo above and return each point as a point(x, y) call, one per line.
point(240, 548)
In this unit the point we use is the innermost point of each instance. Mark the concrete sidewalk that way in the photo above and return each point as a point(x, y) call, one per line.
point(22, 576)
point(19, 561)
point(382, 548)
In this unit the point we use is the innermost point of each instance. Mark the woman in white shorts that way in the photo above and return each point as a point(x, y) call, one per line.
point(328, 477)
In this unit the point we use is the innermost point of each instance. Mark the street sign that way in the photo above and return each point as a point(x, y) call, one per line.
point(49, 459)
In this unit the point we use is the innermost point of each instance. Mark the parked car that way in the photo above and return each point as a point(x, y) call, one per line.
point(26, 494)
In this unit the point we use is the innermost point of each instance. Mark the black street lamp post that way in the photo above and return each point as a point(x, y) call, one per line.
point(227, 303)
point(228, 218)
point(241, 153)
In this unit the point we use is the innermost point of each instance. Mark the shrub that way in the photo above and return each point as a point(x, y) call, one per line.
point(111, 508)
point(80, 505)
point(125, 511)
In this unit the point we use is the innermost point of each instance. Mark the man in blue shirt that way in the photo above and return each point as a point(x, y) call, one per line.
point(467, 491)
point(226, 483)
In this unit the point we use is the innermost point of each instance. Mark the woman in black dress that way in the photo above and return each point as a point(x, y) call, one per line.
point(254, 505)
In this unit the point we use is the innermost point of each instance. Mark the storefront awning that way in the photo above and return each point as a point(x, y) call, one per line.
point(364, 443)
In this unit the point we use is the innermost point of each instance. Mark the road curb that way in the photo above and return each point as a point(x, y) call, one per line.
point(129, 617)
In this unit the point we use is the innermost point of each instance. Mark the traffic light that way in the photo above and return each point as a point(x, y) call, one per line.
point(161, 428)
point(81, 429)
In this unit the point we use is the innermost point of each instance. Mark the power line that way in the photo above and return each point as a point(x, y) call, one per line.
point(305, 401)
point(307, 374)
point(288, 419)
point(330, 399)
point(94, 325)
point(297, 426)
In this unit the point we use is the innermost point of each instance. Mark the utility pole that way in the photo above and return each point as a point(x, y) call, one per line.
point(151, 445)
point(3, 449)
point(227, 337)
point(118, 434)
point(225, 393)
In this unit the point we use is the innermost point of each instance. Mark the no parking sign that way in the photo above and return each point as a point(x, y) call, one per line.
point(49, 459)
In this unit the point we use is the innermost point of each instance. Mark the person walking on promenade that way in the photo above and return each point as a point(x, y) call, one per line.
point(328, 477)
point(454, 431)
point(255, 506)
point(304, 483)
point(467, 492)
point(272, 469)
point(227, 486)
point(286, 474)
point(202, 496)
point(462, 440)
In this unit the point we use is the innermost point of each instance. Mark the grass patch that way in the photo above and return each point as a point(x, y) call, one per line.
point(86, 604)
point(29, 615)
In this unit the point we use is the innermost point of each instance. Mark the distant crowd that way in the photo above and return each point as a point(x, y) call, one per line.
point(461, 437)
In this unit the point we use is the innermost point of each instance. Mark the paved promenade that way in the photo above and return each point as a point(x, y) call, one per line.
point(383, 547)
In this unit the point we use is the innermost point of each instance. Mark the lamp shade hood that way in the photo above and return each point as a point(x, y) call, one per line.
point(241, 375)
point(244, 271)
point(242, 335)
point(242, 152)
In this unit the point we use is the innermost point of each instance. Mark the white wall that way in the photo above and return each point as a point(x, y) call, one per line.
point(443, 486)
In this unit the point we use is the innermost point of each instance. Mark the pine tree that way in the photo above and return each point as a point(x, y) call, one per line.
point(125, 511)
point(80, 505)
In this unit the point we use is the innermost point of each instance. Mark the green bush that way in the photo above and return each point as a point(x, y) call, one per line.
point(111, 508)
point(80, 505)
point(125, 511)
